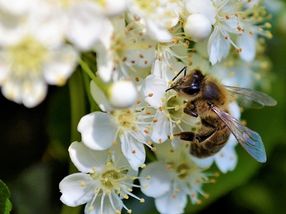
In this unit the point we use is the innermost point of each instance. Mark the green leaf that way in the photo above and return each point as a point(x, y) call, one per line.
point(5, 203)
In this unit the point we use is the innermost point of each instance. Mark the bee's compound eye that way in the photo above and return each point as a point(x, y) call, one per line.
point(191, 90)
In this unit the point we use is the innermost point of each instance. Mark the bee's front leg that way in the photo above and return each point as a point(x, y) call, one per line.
point(190, 109)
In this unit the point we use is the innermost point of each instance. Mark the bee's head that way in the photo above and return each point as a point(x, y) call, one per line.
point(189, 84)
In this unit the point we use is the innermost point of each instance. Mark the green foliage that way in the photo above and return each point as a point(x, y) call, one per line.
point(5, 203)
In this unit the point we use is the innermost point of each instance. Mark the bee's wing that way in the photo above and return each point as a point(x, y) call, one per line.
point(248, 139)
point(254, 96)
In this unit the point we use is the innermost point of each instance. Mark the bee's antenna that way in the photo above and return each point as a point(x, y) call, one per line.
point(184, 69)
point(169, 88)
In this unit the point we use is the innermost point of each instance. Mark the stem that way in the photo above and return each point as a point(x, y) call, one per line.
point(77, 106)
point(103, 86)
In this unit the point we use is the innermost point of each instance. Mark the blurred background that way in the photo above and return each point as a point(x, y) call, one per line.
point(34, 159)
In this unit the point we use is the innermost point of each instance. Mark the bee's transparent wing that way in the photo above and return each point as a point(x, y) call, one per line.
point(248, 139)
point(252, 96)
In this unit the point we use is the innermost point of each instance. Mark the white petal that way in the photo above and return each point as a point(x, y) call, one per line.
point(76, 189)
point(60, 66)
point(226, 159)
point(15, 6)
point(161, 129)
point(154, 90)
point(203, 162)
point(112, 7)
point(85, 26)
point(104, 206)
point(85, 159)
point(48, 24)
point(30, 92)
point(33, 92)
point(155, 180)
point(247, 43)
point(99, 97)
point(98, 130)
point(234, 110)
point(104, 62)
point(158, 33)
point(133, 150)
point(218, 46)
point(171, 203)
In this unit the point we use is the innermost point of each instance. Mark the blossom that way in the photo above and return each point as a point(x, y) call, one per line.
point(100, 130)
point(233, 25)
point(172, 179)
point(31, 62)
point(123, 51)
point(105, 178)
point(169, 106)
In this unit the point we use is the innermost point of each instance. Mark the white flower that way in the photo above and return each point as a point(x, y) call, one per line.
point(169, 116)
point(105, 178)
point(123, 94)
point(99, 130)
point(231, 20)
point(172, 179)
point(29, 64)
point(226, 158)
point(123, 51)
point(157, 16)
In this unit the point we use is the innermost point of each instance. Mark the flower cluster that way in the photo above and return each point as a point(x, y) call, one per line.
point(139, 46)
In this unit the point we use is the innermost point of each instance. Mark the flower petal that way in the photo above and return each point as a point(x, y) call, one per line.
point(154, 90)
point(172, 203)
point(133, 150)
point(99, 97)
point(98, 130)
point(107, 205)
point(86, 26)
point(247, 43)
point(161, 129)
point(85, 159)
point(226, 159)
point(203, 162)
point(218, 46)
point(155, 180)
point(60, 66)
point(76, 189)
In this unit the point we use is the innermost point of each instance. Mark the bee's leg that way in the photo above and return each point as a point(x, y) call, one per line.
point(190, 109)
point(187, 136)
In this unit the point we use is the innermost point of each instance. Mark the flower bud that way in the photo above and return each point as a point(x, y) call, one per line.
point(198, 27)
point(122, 94)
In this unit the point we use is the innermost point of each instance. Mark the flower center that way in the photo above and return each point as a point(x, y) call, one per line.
point(175, 106)
point(183, 170)
point(125, 119)
point(28, 55)
point(110, 178)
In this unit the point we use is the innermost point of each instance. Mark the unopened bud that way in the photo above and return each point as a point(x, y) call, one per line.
point(198, 27)
point(122, 94)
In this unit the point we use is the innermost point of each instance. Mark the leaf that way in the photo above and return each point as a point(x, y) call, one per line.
point(5, 203)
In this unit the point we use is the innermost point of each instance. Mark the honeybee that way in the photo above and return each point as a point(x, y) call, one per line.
point(208, 99)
